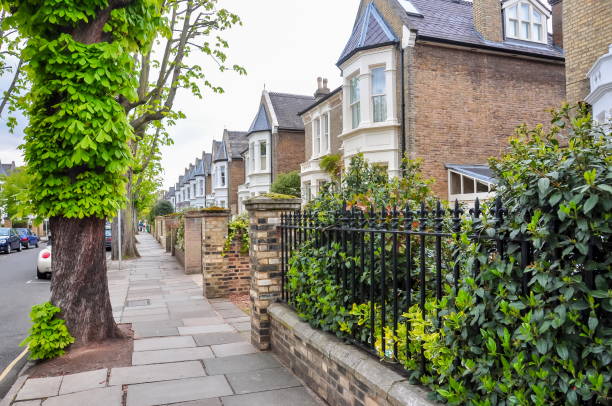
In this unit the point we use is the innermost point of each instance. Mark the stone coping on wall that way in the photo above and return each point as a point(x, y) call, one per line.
point(385, 382)
point(270, 204)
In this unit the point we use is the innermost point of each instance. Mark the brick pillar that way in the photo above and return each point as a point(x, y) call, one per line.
point(193, 242)
point(214, 233)
point(265, 256)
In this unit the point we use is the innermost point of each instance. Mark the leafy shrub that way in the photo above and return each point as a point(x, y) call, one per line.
point(48, 334)
point(161, 208)
point(287, 184)
point(180, 233)
point(238, 228)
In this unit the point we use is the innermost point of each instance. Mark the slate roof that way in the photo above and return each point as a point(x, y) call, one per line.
point(207, 162)
point(369, 31)
point(7, 169)
point(261, 122)
point(181, 180)
point(199, 167)
point(235, 142)
point(480, 172)
point(287, 108)
point(219, 153)
point(321, 100)
point(452, 21)
point(190, 172)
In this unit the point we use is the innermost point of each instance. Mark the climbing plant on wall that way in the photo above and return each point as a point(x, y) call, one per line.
point(78, 60)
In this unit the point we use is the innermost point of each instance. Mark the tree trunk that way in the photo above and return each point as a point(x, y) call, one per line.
point(79, 286)
point(128, 227)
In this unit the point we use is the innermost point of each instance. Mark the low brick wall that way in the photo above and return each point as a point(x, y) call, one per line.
point(231, 275)
point(180, 256)
point(339, 373)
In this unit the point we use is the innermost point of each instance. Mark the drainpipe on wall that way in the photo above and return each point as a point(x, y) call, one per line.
point(407, 44)
point(403, 139)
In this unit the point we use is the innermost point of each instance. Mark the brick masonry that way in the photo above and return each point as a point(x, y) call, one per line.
point(223, 274)
point(340, 374)
point(487, 19)
point(236, 178)
point(587, 32)
point(265, 257)
point(193, 242)
point(335, 122)
point(288, 152)
point(468, 104)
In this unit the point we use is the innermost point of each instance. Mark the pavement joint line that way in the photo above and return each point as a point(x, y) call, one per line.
point(14, 362)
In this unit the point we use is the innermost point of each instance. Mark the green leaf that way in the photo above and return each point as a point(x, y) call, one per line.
point(590, 203)
point(562, 351)
point(543, 185)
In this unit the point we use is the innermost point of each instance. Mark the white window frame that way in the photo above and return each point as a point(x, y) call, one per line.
point(464, 196)
point(355, 105)
point(316, 137)
point(374, 96)
point(325, 132)
point(221, 176)
point(545, 15)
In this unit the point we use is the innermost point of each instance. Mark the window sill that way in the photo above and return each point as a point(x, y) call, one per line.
point(370, 126)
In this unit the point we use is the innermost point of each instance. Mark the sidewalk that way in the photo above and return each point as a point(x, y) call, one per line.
point(188, 351)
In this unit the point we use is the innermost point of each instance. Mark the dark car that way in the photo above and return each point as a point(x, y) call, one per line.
point(9, 240)
point(28, 238)
point(108, 239)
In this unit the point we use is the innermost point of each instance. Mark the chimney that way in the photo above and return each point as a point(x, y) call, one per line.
point(557, 22)
point(322, 89)
point(488, 19)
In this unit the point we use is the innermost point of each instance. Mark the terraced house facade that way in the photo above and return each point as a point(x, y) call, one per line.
point(446, 81)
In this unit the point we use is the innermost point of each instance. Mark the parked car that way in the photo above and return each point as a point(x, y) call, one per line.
point(43, 265)
point(9, 240)
point(28, 238)
point(108, 239)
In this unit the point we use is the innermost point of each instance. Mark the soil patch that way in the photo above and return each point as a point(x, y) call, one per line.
point(107, 354)
point(243, 301)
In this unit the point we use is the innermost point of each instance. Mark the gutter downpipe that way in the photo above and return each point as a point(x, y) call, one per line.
point(403, 132)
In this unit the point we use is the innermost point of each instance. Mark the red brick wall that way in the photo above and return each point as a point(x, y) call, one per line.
point(288, 152)
point(233, 277)
point(467, 105)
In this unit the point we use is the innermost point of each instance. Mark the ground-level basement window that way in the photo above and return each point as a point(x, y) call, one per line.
point(466, 188)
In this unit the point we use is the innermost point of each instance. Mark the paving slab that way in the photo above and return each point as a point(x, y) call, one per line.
point(241, 363)
point(173, 355)
point(163, 343)
point(29, 403)
point(202, 321)
point(156, 372)
point(149, 332)
point(239, 348)
point(261, 380)
point(242, 326)
point(283, 397)
point(231, 313)
point(218, 338)
point(215, 328)
point(190, 314)
point(159, 393)
point(201, 402)
point(40, 388)
point(83, 381)
point(94, 397)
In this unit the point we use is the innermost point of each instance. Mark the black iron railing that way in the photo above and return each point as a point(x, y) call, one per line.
point(393, 259)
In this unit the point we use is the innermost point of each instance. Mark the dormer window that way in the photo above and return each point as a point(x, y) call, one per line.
point(526, 22)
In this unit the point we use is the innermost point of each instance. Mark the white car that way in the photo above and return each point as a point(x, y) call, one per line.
point(43, 265)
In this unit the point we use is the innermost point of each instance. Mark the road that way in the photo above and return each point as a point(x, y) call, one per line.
point(19, 291)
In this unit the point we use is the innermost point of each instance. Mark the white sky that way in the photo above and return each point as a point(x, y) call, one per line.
point(283, 44)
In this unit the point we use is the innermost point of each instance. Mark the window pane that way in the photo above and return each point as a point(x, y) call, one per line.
point(524, 11)
point(537, 17)
point(317, 137)
point(263, 155)
point(380, 108)
point(513, 28)
point(525, 30)
point(325, 138)
point(512, 12)
point(356, 115)
point(538, 32)
point(355, 90)
point(378, 81)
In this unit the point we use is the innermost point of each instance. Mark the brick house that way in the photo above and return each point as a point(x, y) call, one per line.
point(191, 189)
point(446, 81)
point(228, 169)
point(275, 142)
point(322, 130)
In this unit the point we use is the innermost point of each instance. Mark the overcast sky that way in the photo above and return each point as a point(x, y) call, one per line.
point(283, 44)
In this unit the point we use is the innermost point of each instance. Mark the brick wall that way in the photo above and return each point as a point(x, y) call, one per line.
point(587, 32)
point(340, 374)
point(288, 152)
point(236, 178)
point(467, 105)
point(193, 243)
point(335, 126)
point(488, 19)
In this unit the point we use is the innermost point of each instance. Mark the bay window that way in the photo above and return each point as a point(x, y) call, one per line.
point(526, 22)
point(379, 99)
point(355, 95)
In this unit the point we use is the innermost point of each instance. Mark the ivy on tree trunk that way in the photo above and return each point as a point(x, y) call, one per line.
point(79, 61)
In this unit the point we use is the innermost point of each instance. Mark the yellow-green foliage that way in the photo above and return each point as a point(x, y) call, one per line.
point(76, 144)
point(48, 334)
